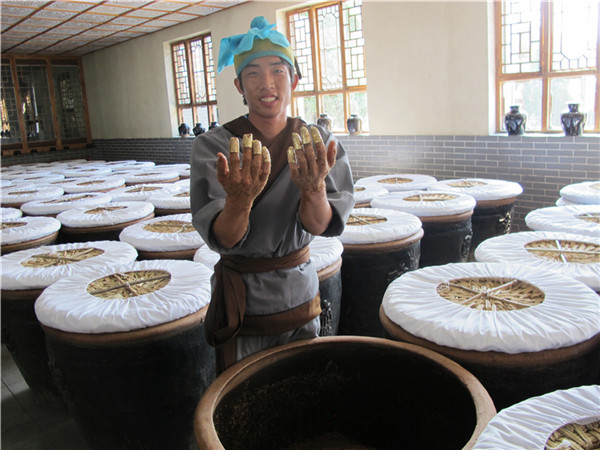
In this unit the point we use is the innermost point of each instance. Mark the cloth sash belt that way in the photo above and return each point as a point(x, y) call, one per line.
point(226, 317)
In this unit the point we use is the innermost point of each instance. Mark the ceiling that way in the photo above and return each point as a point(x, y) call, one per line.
point(75, 28)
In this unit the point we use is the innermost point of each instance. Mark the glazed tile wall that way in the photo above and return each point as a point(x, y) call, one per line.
point(541, 164)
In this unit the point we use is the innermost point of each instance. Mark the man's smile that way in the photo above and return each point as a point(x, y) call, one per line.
point(268, 99)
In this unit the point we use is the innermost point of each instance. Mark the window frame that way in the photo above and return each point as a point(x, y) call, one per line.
point(24, 145)
point(211, 105)
point(545, 74)
point(318, 90)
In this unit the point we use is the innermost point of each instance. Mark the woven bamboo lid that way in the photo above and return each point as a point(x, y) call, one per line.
point(575, 436)
point(129, 284)
point(491, 294)
point(61, 257)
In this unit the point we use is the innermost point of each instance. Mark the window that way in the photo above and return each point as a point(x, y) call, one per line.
point(328, 43)
point(194, 74)
point(547, 57)
point(42, 105)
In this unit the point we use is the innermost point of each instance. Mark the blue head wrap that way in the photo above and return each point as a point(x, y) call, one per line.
point(238, 49)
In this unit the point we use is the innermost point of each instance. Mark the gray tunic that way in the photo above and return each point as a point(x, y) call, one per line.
point(274, 230)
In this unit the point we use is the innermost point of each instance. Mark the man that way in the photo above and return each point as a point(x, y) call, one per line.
point(260, 205)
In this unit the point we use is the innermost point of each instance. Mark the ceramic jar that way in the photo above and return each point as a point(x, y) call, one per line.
point(573, 121)
point(515, 121)
point(325, 121)
point(354, 124)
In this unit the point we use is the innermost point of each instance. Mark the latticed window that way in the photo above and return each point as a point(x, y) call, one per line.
point(547, 57)
point(328, 42)
point(194, 74)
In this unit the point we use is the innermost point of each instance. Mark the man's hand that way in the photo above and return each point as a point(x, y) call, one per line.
point(243, 182)
point(309, 164)
point(309, 161)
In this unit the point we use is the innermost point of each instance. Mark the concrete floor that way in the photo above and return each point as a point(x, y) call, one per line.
point(28, 426)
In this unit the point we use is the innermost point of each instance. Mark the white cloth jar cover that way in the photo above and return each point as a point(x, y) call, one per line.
point(564, 202)
point(586, 192)
point(568, 314)
point(142, 192)
point(530, 423)
point(555, 251)
point(119, 163)
point(130, 165)
point(366, 193)
point(182, 169)
point(21, 195)
point(182, 185)
point(40, 180)
point(426, 203)
point(38, 268)
point(94, 184)
point(481, 189)
point(75, 305)
point(64, 203)
point(204, 255)
point(146, 176)
point(25, 229)
point(18, 174)
point(10, 213)
point(376, 225)
point(324, 251)
point(399, 181)
point(110, 213)
point(171, 200)
point(577, 219)
point(177, 234)
point(87, 170)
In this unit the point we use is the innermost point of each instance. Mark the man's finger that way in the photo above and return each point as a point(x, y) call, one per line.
point(247, 141)
point(331, 153)
point(257, 158)
point(222, 167)
point(266, 166)
point(234, 153)
point(309, 151)
point(299, 156)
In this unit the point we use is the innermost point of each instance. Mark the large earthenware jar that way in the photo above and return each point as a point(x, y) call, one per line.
point(343, 392)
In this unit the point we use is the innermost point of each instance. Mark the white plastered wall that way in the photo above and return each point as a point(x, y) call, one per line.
point(427, 71)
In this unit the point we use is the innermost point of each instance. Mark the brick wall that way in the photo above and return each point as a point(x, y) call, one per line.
point(541, 164)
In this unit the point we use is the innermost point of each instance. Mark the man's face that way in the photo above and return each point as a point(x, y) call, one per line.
point(267, 86)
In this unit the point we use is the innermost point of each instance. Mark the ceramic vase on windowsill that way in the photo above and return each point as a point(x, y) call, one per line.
point(354, 124)
point(515, 121)
point(573, 121)
point(184, 130)
point(325, 121)
point(198, 129)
